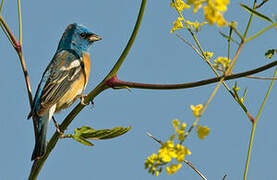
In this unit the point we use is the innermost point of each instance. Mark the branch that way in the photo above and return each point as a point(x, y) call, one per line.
point(18, 48)
point(116, 83)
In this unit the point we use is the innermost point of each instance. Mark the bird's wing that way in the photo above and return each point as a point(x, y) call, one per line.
point(62, 71)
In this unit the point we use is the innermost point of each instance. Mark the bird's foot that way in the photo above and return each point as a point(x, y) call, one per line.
point(82, 100)
point(58, 128)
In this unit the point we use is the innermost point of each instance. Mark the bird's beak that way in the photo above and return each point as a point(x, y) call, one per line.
point(93, 37)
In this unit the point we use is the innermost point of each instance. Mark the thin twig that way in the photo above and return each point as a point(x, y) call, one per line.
point(1, 6)
point(20, 22)
point(18, 48)
point(198, 172)
point(261, 4)
point(254, 127)
point(193, 47)
point(150, 135)
point(262, 78)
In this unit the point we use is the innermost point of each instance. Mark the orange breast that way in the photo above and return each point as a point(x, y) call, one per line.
point(86, 61)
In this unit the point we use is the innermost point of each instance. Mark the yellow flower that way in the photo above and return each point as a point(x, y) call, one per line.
point(149, 162)
point(173, 168)
point(187, 151)
point(175, 123)
point(181, 152)
point(222, 61)
point(183, 126)
point(196, 109)
point(242, 99)
point(179, 5)
point(221, 5)
point(213, 11)
point(167, 152)
point(209, 55)
point(195, 26)
point(202, 131)
point(196, 3)
point(177, 24)
point(221, 21)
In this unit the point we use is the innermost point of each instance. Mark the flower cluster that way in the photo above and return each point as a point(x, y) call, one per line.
point(177, 24)
point(213, 12)
point(222, 62)
point(179, 5)
point(168, 152)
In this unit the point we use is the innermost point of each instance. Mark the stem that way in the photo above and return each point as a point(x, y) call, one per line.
point(130, 42)
point(18, 48)
point(198, 172)
point(229, 41)
point(15, 43)
point(7, 35)
point(20, 22)
point(26, 77)
point(254, 126)
point(262, 3)
point(204, 108)
point(249, 21)
point(194, 48)
point(1, 6)
point(262, 31)
point(119, 83)
point(238, 33)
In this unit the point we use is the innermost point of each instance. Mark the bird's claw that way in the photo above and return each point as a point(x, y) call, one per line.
point(58, 128)
point(82, 100)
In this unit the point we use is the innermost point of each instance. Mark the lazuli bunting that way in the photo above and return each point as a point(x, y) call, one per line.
point(63, 81)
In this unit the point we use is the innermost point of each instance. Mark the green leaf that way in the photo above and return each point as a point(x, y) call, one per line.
point(85, 132)
point(270, 53)
point(82, 140)
point(227, 37)
point(105, 133)
point(256, 13)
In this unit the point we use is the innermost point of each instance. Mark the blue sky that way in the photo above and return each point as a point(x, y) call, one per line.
point(156, 57)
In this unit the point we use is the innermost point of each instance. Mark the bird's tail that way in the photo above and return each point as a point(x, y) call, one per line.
point(42, 127)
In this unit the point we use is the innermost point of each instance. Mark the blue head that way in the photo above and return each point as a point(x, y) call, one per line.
point(77, 38)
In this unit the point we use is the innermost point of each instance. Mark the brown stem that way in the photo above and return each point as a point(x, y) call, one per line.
point(26, 76)
point(17, 45)
point(18, 48)
point(116, 83)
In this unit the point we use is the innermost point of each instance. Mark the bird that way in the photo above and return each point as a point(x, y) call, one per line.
point(63, 81)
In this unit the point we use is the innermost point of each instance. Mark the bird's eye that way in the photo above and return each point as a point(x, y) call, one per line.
point(83, 35)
